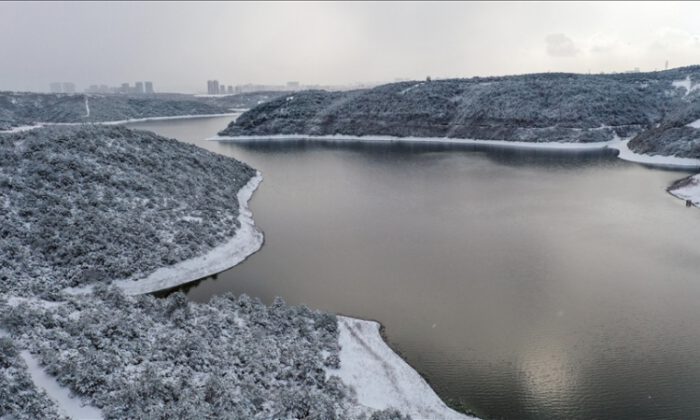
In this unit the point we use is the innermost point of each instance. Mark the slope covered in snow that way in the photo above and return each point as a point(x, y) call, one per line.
point(551, 107)
point(88, 204)
point(23, 109)
point(83, 206)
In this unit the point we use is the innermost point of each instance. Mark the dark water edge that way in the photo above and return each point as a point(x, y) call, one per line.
point(520, 284)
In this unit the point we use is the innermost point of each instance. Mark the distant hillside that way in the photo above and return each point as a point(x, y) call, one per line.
point(536, 107)
point(244, 100)
point(17, 109)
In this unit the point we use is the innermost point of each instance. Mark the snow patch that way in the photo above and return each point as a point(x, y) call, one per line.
point(410, 88)
point(686, 84)
point(689, 191)
point(247, 240)
point(14, 301)
point(655, 160)
point(87, 107)
point(695, 124)
point(382, 378)
point(21, 128)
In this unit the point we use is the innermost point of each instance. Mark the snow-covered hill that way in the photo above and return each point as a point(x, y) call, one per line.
point(23, 109)
point(550, 107)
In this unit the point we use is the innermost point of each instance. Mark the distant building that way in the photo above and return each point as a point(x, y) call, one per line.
point(222, 90)
point(138, 88)
point(230, 90)
point(292, 85)
point(125, 88)
point(213, 87)
point(149, 88)
point(55, 87)
point(68, 87)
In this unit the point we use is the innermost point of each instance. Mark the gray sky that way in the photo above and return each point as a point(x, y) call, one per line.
point(180, 45)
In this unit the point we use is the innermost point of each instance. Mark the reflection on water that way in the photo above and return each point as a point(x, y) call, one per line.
point(522, 284)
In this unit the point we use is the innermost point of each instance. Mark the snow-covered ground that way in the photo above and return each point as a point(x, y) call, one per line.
point(247, 240)
point(381, 378)
point(689, 190)
point(21, 128)
point(443, 140)
point(686, 84)
point(654, 160)
point(695, 124)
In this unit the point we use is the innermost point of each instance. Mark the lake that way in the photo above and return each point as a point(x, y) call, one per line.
point(521, 284)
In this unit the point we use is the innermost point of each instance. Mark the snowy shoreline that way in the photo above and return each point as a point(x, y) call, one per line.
point(117, 122)
point(436, 140)
point(687, 189)
point(661, 161)
point(247, 240)
point(618, 144)
point(381, 378)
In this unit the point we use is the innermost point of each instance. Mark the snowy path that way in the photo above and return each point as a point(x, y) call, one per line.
point(87, 107)
point(67, 405)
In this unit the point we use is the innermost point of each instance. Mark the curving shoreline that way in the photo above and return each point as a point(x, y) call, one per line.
point(619, 144)
point(247, 240)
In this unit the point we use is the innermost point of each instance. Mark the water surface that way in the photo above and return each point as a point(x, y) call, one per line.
point(521, 284)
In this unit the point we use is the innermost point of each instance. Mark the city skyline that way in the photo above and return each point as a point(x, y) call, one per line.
point(334, 44)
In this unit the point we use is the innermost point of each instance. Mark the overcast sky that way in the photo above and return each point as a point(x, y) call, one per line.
point(180, 45)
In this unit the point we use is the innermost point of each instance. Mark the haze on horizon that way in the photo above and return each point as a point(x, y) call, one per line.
point(179, 46)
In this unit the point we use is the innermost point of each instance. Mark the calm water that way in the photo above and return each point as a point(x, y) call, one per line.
point(521, 284)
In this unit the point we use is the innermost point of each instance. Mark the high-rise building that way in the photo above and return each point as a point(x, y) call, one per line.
point(125, 88)
point(138, 88)
point(230, 90)
point(68, 87)
point(213, 87)
point(55, 87)
point(222, 89)
point(149, 88)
